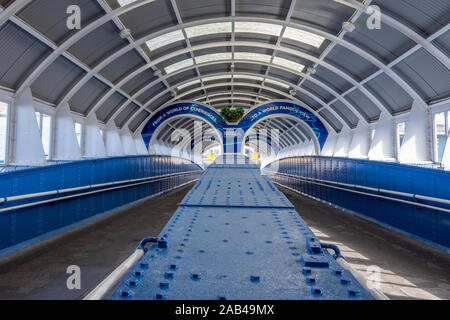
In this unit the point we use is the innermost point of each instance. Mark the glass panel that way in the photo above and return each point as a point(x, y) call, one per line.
point(212, 78)
point(188, 84)
point(400, 133)
point(125, 2)
point(164, 40)
point(258, 27)
point(210, 28)
point(179, 65)
point(213, 57)
point(252, 56)
point(78, 130)
point(303, 36)
point(38, 119)
point(278, 83)
point(3, 131)
point(250, 77)
point(441, 135)
point(288, 64)
point(46, 134)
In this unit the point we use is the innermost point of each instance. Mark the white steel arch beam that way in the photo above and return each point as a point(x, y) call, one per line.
point(342, 42)
point(228, 94)
point(311, 95)
point(138, 3)
point(291, 99)
point(229, 98)
point(12, 9)
point(408, 32)
point(219, 44)
point(73, 39)
point(245, 84)
point(307, 92)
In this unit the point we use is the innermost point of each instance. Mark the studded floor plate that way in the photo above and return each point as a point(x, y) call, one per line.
point(233, 187)
point(235, 236)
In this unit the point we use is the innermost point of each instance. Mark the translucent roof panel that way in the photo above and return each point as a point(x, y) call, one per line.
point(207, 29)
point(212, 78)
point(125, 2)
point(252, 56)
point(288, 64)
point(179, 65)
point(258, 27)
point(188, 84)
point(165, 40)
point(303, 36)
point(242, 27)
point(213, 57)
point(250, 77)
point(278, 83)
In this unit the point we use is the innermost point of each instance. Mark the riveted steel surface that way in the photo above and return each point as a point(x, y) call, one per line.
point(235, 236)
point(236, 187)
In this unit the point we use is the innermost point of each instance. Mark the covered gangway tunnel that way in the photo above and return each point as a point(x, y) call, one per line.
point(107, 103)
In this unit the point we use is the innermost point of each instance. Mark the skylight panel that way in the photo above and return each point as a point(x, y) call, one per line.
point(303, 36)
point(125, 2)
point(249, 77)
point(252, 56)
point(277, 83)
point(188, 84)
point(210, 28)
point(164, 40)
point(237, 97)
point(213, 57)
point(258, 27)
point(288, 64)
point(179, 65)
point(216, 94)
point(212, 78)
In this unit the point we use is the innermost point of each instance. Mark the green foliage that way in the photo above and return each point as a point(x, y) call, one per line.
point(232, 115)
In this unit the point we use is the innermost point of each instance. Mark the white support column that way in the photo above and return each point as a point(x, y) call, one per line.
point(140, 145)
point(359, 147)
point(343, 143)
point(94, 145)
point(27, 149)
point(415, 142)
point(128, 144)
point(382, 147)
point(330, 143)
point(113, 143)
point(66, 143)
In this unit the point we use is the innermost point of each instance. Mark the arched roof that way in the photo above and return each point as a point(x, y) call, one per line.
point(132, 56)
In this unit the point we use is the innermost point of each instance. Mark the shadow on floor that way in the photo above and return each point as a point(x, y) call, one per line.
point(407, 268)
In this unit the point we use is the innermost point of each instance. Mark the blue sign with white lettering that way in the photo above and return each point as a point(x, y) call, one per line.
point(233, 134)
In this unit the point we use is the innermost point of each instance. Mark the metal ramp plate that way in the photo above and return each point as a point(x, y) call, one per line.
point(235, 187)
point(235, 236)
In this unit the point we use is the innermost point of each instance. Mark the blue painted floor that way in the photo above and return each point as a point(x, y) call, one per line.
point(235, 236)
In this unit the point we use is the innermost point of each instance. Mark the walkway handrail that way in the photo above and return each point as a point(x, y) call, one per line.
point(327, 183)
point(122, 183)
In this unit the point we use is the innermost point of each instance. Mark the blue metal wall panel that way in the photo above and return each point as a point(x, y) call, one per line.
point(426, 223)
point(26, 223)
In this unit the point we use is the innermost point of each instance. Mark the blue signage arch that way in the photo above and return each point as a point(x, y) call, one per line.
point(238, 130)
